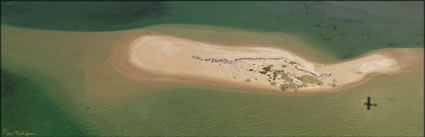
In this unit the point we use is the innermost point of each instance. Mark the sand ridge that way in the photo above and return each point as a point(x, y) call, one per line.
point(156, 56)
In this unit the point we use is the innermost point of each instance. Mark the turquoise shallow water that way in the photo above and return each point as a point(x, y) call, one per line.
point(49, 101)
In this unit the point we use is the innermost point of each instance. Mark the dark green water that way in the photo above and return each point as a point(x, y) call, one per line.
point(345, 28)
point(43, 89)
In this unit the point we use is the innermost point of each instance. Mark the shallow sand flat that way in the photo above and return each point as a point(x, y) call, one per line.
point(154, 56)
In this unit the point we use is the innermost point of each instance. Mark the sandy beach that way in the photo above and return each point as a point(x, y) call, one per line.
point(153, 56)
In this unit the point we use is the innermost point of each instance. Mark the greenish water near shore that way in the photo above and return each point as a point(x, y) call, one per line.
point(68, 91)
point(213, 111)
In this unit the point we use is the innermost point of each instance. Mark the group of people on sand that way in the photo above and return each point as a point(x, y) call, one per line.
point(213, 60)
point(226, 61)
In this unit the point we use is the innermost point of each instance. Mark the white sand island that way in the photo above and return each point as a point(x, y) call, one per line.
point(153, 56)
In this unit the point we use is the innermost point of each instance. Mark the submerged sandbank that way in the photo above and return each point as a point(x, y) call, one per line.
point(161, 57)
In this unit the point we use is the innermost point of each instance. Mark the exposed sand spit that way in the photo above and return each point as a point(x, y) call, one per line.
point(161, 57)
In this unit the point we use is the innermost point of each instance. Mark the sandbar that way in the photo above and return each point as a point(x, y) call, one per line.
point(153, 56)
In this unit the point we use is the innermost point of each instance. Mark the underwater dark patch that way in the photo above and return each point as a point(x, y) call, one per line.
point(80, 16)
point(10, 83)
point(26, 106)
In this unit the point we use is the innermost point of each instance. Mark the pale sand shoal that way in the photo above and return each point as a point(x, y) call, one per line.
point(152, 56)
